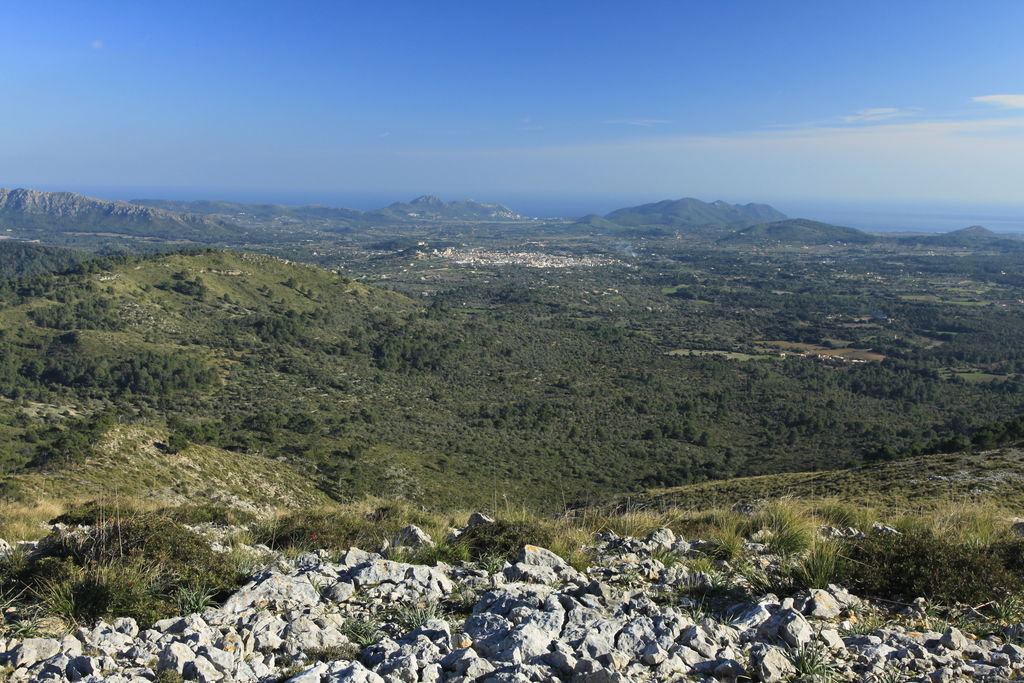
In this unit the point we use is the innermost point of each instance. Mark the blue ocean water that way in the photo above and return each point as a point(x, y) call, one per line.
point(1005, 218)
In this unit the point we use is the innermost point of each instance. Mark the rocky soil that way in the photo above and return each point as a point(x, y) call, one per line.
point(652, 609)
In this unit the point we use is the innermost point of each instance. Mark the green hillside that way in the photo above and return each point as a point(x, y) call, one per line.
point(18, 259)
point(799, 231)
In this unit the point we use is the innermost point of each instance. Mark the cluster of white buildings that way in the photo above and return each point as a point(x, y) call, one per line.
point(482, 257)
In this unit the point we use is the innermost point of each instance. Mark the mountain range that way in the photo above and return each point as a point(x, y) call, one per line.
point(426, 207)
point(76, 220)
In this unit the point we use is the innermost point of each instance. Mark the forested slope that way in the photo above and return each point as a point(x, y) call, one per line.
point(464, 397)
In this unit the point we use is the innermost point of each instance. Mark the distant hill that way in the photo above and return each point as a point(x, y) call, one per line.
point(975, 236)
point(329, 218)
point(430, 207)
point(45, 213)
point(234, 210)
point(693, 213)
point(799, 231)
point(18, 259)
point(598, 222)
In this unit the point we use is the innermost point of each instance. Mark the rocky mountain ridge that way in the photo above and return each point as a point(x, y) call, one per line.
point(35, 211)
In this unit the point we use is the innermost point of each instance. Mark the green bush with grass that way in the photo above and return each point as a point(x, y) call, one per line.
point(920, 562)
point(209, 513)
point(312, 530)
point(503, 538)
point(145, 566)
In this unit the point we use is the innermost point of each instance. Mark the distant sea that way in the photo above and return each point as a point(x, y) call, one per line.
point(1007, 218)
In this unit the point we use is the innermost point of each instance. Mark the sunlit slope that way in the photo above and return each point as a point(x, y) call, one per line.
point(924, 481)
point(134, 462)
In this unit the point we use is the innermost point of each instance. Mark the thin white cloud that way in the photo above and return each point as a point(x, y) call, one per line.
point(96, 44)
point(1004, 101)
point(643, 123)
point(877, 114)
point(979, 159)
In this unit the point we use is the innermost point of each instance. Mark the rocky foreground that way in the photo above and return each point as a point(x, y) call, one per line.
point(652, 609)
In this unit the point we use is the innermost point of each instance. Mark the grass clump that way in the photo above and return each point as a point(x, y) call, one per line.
point(361, 632)
point(335, 653)
point(845, 515)
point(1009, 610)
point(443, 551)
point(820, 566)
point(726, 544)
point(864, 623)
point(791, 529)
point(412, 616)
point(195, 598)
point(814, 660)
point(168, 676)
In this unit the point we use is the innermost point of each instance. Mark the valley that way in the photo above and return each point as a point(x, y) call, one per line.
point(540, 362)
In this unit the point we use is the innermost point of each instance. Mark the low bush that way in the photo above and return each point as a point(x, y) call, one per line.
point(442, 551)
point(209, 513)
point(503, 538)
point(142, 566)
point(95, 512)
point(920, 562)
point(314, 529)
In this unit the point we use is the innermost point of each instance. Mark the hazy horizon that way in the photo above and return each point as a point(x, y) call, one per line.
point(870, 216)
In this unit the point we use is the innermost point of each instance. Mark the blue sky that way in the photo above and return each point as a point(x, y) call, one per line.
point(909, 101)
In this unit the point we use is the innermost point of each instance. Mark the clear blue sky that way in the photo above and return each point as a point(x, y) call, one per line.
point(747, 100)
